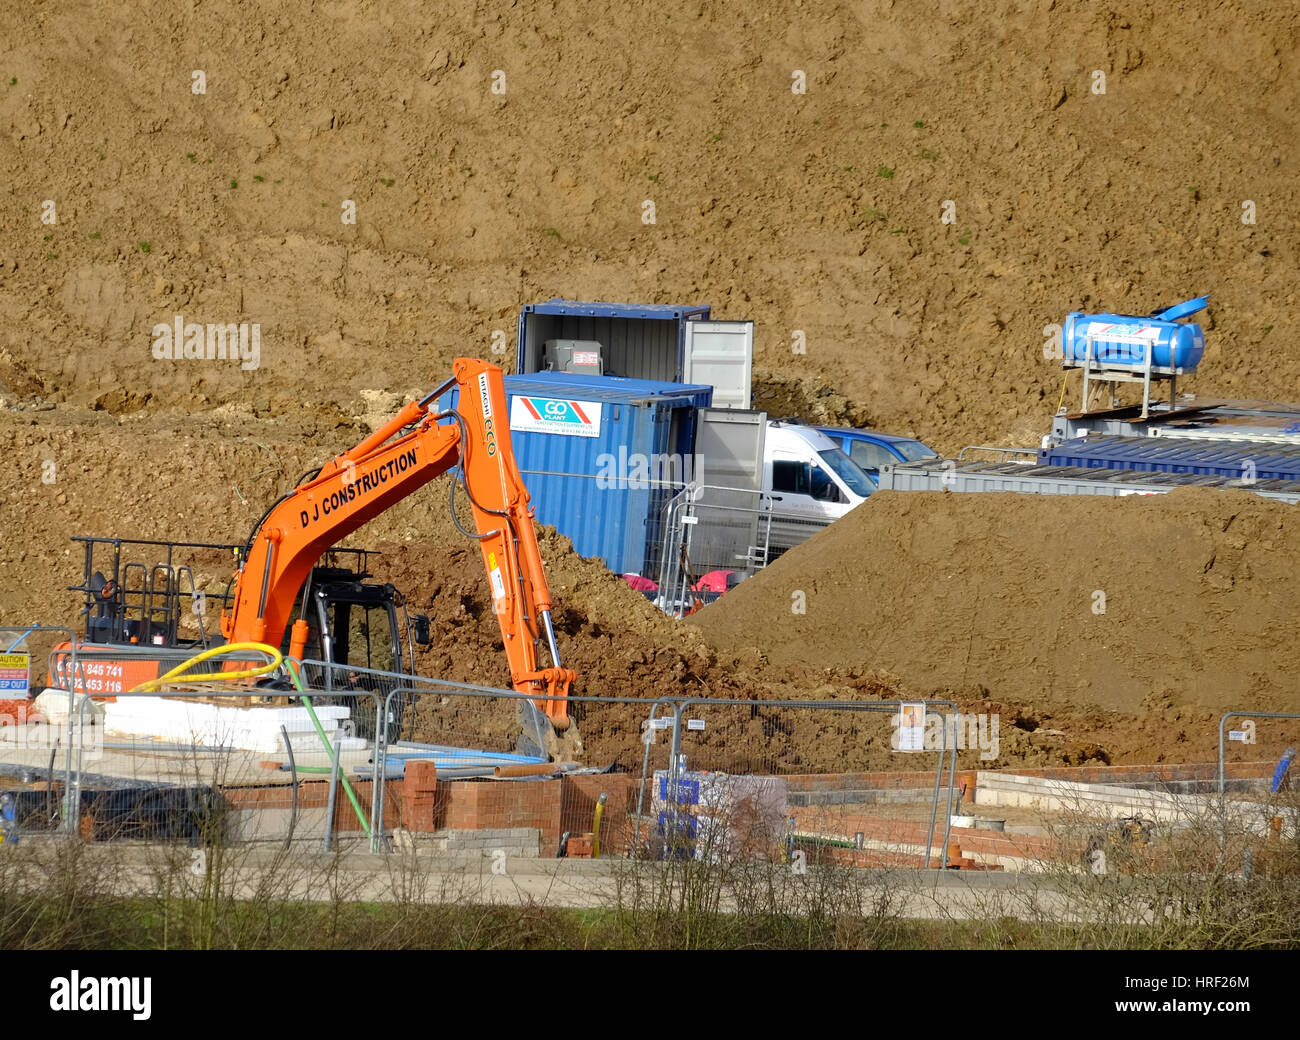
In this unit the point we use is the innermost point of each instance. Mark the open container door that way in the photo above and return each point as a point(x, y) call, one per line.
point(718, 523)
point(720, 354)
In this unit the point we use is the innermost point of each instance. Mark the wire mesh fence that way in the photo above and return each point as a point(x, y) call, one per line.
point(1259, 810)
point(467, 766)
point(714, 537)
point(330, 753)
point(194, 761)
point(751, 749)
point(751, 778)
point(481, 770)
point(340, 753)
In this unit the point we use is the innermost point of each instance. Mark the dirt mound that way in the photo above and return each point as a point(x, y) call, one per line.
point(1189, 598)
point(822, 211)
point(208, 478)
point(619, 652)
point(619, 644)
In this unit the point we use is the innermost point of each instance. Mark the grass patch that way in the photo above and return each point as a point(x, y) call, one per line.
point(145, 924)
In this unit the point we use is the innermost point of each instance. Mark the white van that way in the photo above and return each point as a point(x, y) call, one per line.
point(768, 485)
point(809, 480)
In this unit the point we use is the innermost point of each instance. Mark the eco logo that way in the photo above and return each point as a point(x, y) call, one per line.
point(489, 419)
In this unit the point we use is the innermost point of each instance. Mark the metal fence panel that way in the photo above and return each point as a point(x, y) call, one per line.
point(709, 533)
point(742, 782)
point(285, 763)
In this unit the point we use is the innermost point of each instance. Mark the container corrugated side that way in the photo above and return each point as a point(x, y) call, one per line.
point(1062, 480)
point(1179, 455)
point(580, 484)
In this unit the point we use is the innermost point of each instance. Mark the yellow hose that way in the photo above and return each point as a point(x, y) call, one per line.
point(277, 659)
point(247, 673)
point(595, 825)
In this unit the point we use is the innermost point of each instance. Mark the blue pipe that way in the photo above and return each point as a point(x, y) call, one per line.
point(1279, 774)
point(22, 637)
point(456, 751)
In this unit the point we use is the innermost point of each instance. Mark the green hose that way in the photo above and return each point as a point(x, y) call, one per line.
point(320, 732)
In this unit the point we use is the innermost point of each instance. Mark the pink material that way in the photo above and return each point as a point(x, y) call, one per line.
point(713, 581)
point(641, 584)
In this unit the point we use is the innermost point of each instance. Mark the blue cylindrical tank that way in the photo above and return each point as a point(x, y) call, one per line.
point(1177, 344)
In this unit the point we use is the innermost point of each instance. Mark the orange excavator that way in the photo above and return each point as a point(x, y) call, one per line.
point(281, 588)
point(397, 459)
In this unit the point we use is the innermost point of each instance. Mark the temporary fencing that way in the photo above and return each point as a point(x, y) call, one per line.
point(656, 777)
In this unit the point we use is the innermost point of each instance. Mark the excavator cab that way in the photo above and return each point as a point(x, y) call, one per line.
point(142, 595)
point(361, 628)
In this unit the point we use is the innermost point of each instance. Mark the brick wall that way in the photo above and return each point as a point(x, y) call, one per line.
point(314, 794)
point(550, 806)
point(578, 807)
point(469, 805)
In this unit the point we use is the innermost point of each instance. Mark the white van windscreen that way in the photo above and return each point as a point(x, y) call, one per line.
point(847, 470)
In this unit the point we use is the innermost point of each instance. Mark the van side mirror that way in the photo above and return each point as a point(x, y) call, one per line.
point(420, 625)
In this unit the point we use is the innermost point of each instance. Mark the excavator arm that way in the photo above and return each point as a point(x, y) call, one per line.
point(413, 448)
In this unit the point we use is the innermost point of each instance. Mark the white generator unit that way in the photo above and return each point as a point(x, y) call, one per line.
point(574, 355)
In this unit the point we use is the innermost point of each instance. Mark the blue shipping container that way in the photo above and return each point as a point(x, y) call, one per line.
point(601, 457)
point(1178, 455)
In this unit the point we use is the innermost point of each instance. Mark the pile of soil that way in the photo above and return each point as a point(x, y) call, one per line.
point(1187, 599)
point(617, 641)
point(821, 211)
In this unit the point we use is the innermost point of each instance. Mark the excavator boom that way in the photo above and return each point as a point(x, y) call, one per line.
point(412, 449)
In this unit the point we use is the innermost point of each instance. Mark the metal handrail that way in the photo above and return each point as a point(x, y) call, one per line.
point(1003, 452)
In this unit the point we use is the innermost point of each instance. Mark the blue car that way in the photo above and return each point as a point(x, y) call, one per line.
point(871, 449)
